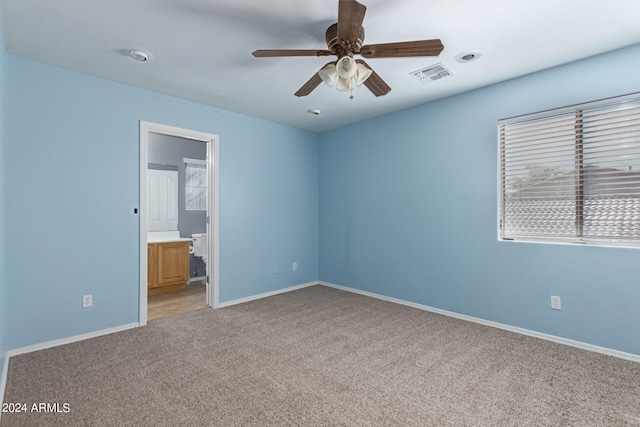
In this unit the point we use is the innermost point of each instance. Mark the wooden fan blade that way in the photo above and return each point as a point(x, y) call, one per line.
point(350, 17)
point(293, 52)
point(309, 86)
point(403, 49)
point(375, 83)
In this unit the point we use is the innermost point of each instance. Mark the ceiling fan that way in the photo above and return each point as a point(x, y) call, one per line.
point(344, 40)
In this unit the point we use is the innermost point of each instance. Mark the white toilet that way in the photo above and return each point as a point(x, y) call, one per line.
point(200, 246)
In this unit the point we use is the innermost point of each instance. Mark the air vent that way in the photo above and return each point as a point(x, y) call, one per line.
point(433, 72)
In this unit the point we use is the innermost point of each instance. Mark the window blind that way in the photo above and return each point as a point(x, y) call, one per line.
point(573, 174)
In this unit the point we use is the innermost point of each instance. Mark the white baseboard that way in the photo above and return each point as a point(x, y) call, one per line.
point(266, 294)
point(528, 332)
point(69, 340)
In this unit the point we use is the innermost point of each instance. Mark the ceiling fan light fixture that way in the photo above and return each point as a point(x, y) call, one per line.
point(362, 74)
point(328, 74)
point(346, 67)
point(344, 84)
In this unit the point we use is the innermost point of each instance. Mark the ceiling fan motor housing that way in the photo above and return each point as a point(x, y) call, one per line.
point(343, 47)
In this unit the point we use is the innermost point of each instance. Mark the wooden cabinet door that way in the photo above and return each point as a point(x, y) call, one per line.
point(152, 265)
point(173, 263)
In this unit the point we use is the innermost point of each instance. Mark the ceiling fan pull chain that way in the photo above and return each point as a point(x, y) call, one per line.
point(351, 96)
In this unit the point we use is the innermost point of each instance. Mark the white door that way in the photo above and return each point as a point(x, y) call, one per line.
point(163, 200)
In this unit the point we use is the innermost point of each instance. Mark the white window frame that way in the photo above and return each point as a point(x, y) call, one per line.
point(603, 135)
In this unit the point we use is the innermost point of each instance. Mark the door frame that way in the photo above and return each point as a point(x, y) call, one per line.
point(213, 226)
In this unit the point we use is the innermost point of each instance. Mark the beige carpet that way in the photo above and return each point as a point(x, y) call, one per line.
point(319, 356)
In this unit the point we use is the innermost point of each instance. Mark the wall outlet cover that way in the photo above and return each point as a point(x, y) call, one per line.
point(87, 301)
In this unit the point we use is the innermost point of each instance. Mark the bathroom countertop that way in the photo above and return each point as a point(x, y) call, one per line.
point(166, 237)
point(169, 240)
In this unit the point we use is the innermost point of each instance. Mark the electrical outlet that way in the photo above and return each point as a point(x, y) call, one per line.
point(87, 301)
point(295, 266)
point(555, 302)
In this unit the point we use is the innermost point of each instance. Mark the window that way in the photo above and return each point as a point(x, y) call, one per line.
point(573, 174)
point(195, 194)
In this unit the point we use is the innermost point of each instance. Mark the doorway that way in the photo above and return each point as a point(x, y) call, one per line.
point(149, 131)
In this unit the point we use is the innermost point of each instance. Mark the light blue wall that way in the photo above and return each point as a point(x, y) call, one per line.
point(4, 319)
point(72, 183)
point(408, 208)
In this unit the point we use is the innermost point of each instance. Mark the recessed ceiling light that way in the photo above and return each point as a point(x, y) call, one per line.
point(139, 55)
point(315, 111)
point(468, 56)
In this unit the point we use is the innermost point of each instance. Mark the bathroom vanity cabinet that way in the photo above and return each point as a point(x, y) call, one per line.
point(168, 266)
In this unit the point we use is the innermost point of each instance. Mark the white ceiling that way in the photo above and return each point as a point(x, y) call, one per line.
point(202, 48)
